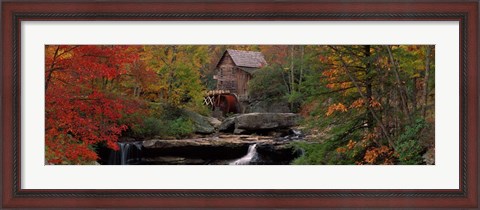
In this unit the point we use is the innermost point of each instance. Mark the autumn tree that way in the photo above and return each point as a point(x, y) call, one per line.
point(178, 69)
point(371, 101)
point(82, 109)
point(365, 104)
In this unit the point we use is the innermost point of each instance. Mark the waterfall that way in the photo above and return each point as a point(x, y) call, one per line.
point(124, 148)
point(129, 153)
point(245, 160)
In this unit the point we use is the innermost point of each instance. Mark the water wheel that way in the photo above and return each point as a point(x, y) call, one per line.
point(226, 102)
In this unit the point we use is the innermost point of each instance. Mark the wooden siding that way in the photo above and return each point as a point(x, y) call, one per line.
point(242, 82)
point(226, 75)
point(230, 77)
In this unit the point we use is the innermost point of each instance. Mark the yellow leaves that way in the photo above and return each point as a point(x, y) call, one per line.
point(371, 136)
point(336, 107)
point(416, 75)
point(373, 155)
point(357, 103)
point(345, 84)
point(351, 144)
point(370, 156)
point(330, 72)
point(383, 149)
point(331, 77)
point(361, 102)
point(331, 86)
point(374, 103)
point(323, 58)
point(341, 149)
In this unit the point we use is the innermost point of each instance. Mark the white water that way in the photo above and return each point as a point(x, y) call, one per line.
point(125, 151)
point(245, 160)
point(296, 132)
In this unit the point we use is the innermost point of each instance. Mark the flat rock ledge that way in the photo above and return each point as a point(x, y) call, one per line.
point(222, 147)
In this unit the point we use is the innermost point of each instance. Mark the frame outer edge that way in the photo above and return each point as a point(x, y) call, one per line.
point(9, 109)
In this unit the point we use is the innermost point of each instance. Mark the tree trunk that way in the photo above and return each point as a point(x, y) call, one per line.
point(368, 85)
point(400, 89)
point(425, 79)
point(414, 93)
point(50, 71)
point(171, 79)
point(374, 115)
point(302, 49)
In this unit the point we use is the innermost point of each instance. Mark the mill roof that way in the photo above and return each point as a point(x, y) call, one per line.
point(249, 59)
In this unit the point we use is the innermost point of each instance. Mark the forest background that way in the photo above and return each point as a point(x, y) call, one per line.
point(361, 104)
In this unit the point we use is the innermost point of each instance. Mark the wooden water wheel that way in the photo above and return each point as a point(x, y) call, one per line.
point(224, 100)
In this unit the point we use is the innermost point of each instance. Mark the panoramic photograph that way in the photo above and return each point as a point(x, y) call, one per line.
point(239, 105)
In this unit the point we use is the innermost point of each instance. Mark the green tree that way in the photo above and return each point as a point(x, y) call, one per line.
point(178, 69)
point(379, 91)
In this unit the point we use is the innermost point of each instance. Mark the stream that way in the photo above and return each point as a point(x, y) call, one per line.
point(221, 149)
point(245, 160)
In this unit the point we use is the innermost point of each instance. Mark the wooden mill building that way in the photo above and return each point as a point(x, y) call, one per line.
point(235, 68)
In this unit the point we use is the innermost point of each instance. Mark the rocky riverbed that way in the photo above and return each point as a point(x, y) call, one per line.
point(220, 149)
point(222, 142)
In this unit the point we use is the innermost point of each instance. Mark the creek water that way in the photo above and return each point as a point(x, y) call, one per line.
point(245, 160)
point(258, 153)
point(128, 154)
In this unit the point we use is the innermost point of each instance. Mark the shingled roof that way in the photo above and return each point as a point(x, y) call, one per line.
point(250, 59)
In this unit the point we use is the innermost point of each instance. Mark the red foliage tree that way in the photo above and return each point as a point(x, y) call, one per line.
point(82, 107)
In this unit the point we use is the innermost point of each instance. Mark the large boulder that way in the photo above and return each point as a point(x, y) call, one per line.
point(266, 121)
point(228, 125)
point(214, 122)
point(202, 124)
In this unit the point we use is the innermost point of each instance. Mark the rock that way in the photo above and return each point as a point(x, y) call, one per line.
point(275, 106)
point(216, 150)
point(201, 148)
point(275, 153)
point(240, 131)
point(203, 129)
point(217, 113)
point(201, 123)
point(126, 139)
point(243, 136)
point(266, 121)
point(214, 122)
point(168, 160)
point(278, 132)
point(429, 156)
point(228, 125)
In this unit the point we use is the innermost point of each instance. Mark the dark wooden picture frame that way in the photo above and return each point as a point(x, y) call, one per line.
point(466, 12)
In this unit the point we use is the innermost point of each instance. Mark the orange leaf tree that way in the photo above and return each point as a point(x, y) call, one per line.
point(82, 108)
